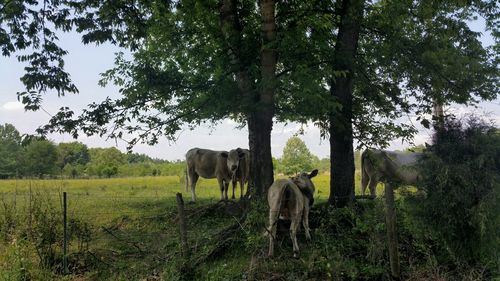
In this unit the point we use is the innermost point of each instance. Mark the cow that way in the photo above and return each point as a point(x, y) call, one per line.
point(290, 199)
point(208, 164)
point(238, 162)
point(394, 167)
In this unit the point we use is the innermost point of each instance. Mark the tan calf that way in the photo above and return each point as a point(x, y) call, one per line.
point(290, 199)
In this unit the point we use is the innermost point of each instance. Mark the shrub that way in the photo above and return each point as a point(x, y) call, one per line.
point(460, 208)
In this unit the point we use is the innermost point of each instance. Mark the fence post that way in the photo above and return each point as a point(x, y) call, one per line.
point(392, 234)
point(182, 225)
point(65, 238)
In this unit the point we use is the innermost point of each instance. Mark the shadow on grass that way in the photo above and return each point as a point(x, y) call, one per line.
point(139, 243)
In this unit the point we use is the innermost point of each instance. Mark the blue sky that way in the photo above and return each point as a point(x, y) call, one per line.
point(86, 62)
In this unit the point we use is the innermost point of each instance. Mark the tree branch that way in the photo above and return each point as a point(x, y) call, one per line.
point(5, 5)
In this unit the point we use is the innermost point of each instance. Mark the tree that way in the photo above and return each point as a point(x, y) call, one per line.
point(73, 153)
point(462, 169)
point(143, 158)
point(72, 158)
point(296, 157)
point(10, 148)
point(40, 158)
point(351, 66)
point(105, 161)
point(341, 88)
point(388, 59)
point(179, 74)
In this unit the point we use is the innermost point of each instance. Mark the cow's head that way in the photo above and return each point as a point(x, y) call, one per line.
point(305, 184)
point(233, 159)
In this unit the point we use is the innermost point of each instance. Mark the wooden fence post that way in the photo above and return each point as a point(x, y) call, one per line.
point(65, 238)
point(392, 234)
point(182, 225)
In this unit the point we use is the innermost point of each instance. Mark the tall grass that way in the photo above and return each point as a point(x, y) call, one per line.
point(114, 224)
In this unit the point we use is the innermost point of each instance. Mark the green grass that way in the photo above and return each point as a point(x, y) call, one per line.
point(130, 223)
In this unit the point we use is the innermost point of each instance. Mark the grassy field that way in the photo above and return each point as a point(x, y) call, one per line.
point(120, 229)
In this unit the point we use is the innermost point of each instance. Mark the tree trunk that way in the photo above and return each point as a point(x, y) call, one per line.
point(260, 121)
point(259, 103)
point(261, 164)
point(341, 136)
point(438, 114)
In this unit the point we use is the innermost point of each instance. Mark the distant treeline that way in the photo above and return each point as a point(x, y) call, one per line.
point(33, 157)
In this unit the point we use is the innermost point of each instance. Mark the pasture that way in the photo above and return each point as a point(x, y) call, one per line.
point(119, 228)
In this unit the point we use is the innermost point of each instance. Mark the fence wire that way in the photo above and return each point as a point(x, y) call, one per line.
point(101, 224)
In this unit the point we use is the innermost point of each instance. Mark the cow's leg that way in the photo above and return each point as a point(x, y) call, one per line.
point(373, 187)
point(221, 187)
point(234, 187)
point(364, 183)
point(242, 186)
point(273, 220)
point(193, 179)
point(226, 187)
point(293, 233)
point(305, 222)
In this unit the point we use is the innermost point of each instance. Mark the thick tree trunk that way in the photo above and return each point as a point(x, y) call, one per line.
point(260, 121)
point(259, 103)
point(261, 164)
point(341, 136)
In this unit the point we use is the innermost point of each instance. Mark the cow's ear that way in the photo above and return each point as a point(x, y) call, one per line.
point(241, 154)
point(224, 154)
point(313, 173)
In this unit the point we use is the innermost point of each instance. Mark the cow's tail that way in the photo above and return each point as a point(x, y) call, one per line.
point(364, 174)
point(282, 197)
point(280, 208)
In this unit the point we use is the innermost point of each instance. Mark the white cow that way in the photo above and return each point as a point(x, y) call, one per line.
point(395, 167)
point(290, 199)
point(238, 162)
point(208, 164)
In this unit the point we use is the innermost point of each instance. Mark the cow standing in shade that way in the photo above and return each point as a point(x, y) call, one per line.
point(290, 199)
point(208, 164)
point(238, 162)
point(394, 167)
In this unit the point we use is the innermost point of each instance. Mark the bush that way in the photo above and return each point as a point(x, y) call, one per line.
point(460, 208)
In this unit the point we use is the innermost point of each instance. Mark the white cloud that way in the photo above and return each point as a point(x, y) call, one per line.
point(13, 105)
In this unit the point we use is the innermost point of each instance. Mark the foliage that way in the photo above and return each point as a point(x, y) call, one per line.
point(297, 157)
point(10, 147)
point(74, 159)
point(40, 158)
point(347, 243)
point(105, 161)
point(461, 176)
point(31, 237)
point(194, 62)
point(72, 153)
point(141, 158)
point(426, 51)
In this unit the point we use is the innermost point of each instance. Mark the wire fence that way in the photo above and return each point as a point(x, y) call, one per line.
point(89, 229)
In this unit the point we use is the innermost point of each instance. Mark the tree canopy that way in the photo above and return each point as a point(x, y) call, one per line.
point(297, 157)
point(10, 143)
point(352, 66)
point(410, 54)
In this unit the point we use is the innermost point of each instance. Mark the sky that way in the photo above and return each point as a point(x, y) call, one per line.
point(86, 62)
